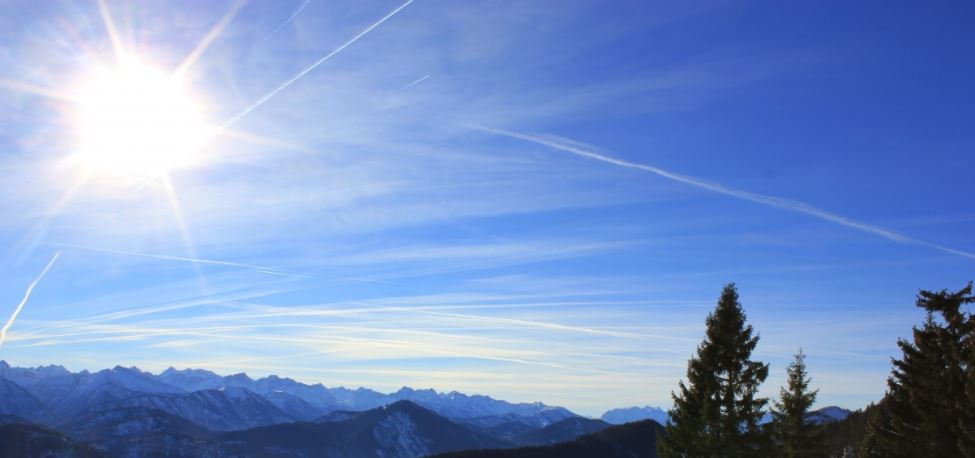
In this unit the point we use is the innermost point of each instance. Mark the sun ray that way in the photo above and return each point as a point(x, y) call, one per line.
point(38, 90)
point(184, 232)
point(112, 31)
point(68, 194)
point(142, 185)
point(75, 36)
point(208, 40)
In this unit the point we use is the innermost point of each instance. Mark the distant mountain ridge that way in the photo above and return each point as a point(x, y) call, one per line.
point(828, 414)
point(631, 414)
point(203, 396)
point(124, 411)
point(402, 429)
point(625, 415)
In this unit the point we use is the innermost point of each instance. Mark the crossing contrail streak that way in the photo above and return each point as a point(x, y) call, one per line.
point(30, 288)
point(311, 67)
point(282, 25)
point(422, 79)
point(585, 151)
point(208, 40)
point(195, 260)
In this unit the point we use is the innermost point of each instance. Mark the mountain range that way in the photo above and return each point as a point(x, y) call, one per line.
point(631, 414)
point(53, 395)
point(192, 412)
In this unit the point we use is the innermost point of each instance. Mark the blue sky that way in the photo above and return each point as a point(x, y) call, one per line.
point(415, 211)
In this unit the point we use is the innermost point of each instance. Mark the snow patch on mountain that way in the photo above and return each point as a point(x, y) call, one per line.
point(398, 433)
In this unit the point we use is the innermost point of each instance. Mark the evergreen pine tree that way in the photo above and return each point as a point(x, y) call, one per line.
point(897, 431)
point(716, 413)
point(927, 410)
point(796, 437)
point(875, 441)
point(958, 337)
point(966, 421)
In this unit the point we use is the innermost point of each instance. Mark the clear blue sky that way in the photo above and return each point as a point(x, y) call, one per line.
point(416, 211)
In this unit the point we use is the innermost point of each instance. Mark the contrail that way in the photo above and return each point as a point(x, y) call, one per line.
point(311, 67)
point(208, 40)
point(281, 26)
point(580, 149)
point(30, 288)
point(422, 79)
point(268, 35)
point(261, 269)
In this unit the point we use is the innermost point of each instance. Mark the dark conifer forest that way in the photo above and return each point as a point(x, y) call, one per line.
point(928, 410)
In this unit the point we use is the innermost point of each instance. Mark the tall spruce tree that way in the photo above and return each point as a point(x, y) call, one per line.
point(794, 436)
point(966, 421)
point(716, 414)
point(957, 337)
point(928, 405)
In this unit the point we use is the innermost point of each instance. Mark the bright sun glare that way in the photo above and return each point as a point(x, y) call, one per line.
point(135, 120)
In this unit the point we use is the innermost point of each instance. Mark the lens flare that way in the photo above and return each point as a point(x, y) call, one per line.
point(134, 120)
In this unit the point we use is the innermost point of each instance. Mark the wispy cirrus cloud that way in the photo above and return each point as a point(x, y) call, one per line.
point(483, 254)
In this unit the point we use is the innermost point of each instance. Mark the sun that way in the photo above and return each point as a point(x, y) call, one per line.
point(132, 119)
